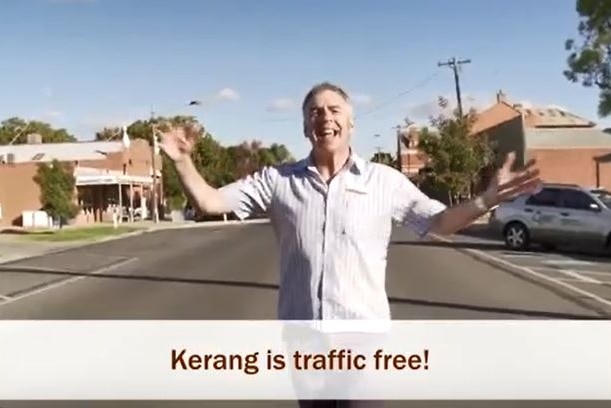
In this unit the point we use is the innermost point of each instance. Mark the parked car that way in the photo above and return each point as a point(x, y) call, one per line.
point(558, 214)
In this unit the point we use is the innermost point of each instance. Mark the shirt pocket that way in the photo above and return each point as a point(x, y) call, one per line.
point(364, 218)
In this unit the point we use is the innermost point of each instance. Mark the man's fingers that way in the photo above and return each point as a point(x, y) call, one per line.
point(509, 160)
point(527, 187)
point(521, 177)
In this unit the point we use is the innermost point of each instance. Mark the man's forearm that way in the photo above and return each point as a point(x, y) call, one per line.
point(207, 198)
point(457, 217)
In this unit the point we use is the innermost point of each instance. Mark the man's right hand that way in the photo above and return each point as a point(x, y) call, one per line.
point(178, 142)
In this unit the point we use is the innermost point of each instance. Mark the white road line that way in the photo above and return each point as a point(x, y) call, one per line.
point(582, 282)
point(526, 255)
point(567, 262)
point(578, 276)
point(4, 298)
point(68, 281)
point(535, 273)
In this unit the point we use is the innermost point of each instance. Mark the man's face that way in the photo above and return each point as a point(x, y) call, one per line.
point(328, 122)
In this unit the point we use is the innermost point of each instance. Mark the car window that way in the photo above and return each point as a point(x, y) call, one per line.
point(576, 200)
point(603, 196)
point(548, 197)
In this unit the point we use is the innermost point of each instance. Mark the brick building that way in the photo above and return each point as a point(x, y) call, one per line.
point(568, 148)
point(109, 176)
point(411, 159)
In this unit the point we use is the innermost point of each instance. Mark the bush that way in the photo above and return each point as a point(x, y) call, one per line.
point(57, 189)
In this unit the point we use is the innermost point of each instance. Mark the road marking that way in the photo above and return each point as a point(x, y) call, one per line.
point(68, 281)
point(518, 255)
point(4, 298)
point(534, 273)
point(567, 262)
point(578, 276)
point(586, 271)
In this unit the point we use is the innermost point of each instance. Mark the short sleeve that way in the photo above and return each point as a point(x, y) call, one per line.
point(251, 194)
point(413, 208)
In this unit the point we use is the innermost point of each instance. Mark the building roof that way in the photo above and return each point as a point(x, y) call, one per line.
point(542, 117)
point(564, 138)
point(46, 152)
point(495, 115)
point(534, 117)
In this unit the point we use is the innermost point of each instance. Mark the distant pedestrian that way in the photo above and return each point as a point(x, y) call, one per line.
point(333, 212)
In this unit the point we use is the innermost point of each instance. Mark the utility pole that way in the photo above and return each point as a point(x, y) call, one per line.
point(378, 147)
point(455, 65)
point(154, 166)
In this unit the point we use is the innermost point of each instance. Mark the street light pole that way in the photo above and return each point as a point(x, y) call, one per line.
point(378, 148)
point(154, 166)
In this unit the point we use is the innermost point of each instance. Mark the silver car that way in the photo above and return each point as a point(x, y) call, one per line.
point(558, 214)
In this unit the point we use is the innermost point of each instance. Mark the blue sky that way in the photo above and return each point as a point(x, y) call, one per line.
point(86, 64)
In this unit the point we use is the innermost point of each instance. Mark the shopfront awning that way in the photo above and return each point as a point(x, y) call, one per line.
point(99, 180)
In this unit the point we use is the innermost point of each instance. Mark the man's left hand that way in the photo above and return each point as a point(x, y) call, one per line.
point(507, 185)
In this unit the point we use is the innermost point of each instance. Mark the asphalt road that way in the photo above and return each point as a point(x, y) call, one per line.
point(231, 273)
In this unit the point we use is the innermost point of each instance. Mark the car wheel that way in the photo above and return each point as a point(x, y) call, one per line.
point(516, 236)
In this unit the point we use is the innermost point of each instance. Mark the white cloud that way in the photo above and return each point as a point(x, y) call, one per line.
point(228, 94)
point(282, 105)
point(53, 114)
point(424, 110)
point(362, 99)
point(560, 108)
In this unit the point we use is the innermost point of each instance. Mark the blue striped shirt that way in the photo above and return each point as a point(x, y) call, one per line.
point(333, 237)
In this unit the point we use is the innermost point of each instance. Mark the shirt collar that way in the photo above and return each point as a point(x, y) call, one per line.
point(355, 163)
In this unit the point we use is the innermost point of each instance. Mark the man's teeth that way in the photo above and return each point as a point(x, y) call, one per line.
point(329, 132)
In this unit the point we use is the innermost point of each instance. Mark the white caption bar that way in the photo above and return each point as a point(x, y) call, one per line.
point(163, 360)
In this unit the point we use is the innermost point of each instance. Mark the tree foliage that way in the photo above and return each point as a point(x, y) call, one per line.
point(218, 164)
point(385, 158)
point(57, 188)
point(455, 157)
point(589, 62)
point(16, 130)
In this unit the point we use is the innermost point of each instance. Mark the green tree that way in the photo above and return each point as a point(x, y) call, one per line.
point(106, 134)
point(590, 61)
point(455, 157)
point(16, 130)
point(219, 165)
point(57, 189)
point(385, 158)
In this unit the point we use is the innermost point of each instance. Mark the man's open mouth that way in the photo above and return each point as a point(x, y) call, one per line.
point(327, 133)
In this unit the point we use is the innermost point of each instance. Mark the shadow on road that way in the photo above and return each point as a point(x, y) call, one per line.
point(583, 256)
point(485, 233)
point(520, 312)
point(455, 245)
point(148, 278)
point(269, 286)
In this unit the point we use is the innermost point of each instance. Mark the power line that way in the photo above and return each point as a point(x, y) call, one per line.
point(455, 65)
point(388, 101)
point(375, 108)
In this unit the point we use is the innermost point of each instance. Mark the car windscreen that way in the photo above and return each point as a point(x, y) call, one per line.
point(604, 196)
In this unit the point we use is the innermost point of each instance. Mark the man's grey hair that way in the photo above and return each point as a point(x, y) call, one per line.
point(321, 87)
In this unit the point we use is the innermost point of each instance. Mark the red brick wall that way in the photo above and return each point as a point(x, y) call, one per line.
point(18, 192)
point(412, 161)
point(572, 166)
point(137, 160)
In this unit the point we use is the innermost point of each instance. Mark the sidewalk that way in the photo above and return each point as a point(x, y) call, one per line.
point(15, 246)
